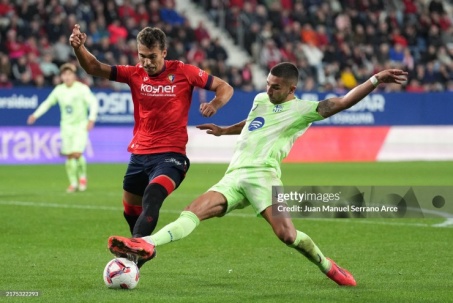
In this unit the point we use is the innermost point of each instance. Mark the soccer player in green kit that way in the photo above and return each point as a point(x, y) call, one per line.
point(74, 98)
point(276, 120)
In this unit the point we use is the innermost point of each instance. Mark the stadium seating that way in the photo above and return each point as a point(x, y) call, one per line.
point(339, 43)
point(335, 44)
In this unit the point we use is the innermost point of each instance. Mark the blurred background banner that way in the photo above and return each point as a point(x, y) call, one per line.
point(41, 145)
point(383, 127)
point(116, 108)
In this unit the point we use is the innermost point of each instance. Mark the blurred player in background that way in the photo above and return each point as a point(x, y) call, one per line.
point(276, 120)
point(161, 92)
point(74, 98)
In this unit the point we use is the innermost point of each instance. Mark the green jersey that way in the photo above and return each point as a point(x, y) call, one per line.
point(270, 132)
point(74, 103)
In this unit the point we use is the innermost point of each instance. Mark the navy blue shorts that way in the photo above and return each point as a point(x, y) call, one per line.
point(144, 168)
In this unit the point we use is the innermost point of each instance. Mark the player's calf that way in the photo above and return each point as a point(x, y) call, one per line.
point(131, 214)
point(153, 199)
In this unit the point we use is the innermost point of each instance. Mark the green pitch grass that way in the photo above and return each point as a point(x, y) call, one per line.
point(56, 243)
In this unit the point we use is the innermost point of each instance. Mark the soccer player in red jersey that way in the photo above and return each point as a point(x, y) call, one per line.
point(161, 92)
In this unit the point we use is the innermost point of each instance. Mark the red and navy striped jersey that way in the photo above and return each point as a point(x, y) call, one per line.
point(161, 104)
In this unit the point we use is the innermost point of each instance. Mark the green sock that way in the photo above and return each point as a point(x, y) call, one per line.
point(71, 170)
point(305, 245)
point(82, 167)
point(176, 230)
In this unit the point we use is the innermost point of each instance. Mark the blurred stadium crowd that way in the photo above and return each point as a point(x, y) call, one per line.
point(336, 44)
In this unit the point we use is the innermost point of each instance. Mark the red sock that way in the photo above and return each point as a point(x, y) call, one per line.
point(165, 182)
point(132, 210)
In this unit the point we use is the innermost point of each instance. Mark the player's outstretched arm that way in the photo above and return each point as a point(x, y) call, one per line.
point(331, 106)
point(215, 130)
point(86, 59)
point(223, 92)
point(51, 100)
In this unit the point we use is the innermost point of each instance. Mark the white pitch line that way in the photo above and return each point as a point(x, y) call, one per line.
point(447, 223)
point(56, 205)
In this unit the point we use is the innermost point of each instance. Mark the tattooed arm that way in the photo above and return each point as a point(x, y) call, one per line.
point(331, 106)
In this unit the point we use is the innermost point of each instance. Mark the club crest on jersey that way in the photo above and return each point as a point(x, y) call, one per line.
point(171, 77)
point(256, 123)
point(277, 108)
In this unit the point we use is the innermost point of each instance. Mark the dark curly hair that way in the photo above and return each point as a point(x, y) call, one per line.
point(152, 37)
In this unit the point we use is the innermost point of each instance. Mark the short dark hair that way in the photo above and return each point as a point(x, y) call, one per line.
point(152, 37)
point(286, 70)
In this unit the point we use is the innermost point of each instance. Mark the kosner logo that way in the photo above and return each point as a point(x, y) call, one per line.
point(158, 89)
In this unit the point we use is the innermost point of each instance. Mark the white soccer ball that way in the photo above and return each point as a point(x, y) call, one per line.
point(121, 273)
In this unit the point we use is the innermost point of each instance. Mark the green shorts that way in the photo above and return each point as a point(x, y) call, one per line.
point(73, 139)
point(244, 187)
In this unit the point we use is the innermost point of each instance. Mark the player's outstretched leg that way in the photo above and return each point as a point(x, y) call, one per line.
point(142, 250)
point(208, 205)
point(178, 229)
point(284, 229)
point(305, 245)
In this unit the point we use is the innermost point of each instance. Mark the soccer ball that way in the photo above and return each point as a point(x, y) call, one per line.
point(121, 273)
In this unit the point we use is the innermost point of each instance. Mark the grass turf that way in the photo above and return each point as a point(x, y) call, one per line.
point(56, 242)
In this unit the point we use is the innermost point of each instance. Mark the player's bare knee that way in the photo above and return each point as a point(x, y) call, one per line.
point(201, 211)
point(131, 198)
point(207, 206)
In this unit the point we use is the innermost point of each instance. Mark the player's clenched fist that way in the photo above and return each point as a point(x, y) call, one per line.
point(207, 109)
point(77, 38)
point(392, 76)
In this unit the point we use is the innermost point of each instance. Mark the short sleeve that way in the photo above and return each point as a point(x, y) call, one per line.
point(122, 73)
point(259, 98)
point(196, 76)
point(309, 112)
